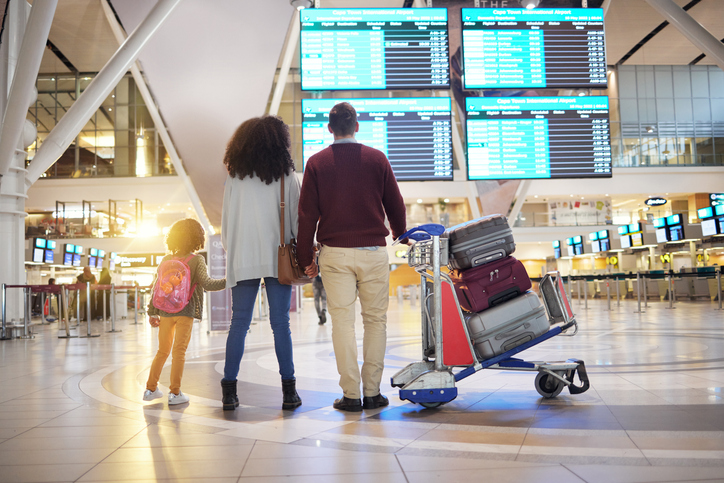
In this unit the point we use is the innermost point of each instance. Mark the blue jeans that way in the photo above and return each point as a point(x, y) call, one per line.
point(243, 296)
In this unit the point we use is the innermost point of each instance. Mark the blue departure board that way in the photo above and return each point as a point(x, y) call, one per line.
point(375, 48)
point(540, 47)
point(538, 137)
point(414, 132)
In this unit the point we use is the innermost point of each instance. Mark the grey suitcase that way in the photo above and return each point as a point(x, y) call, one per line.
point(507, 326)
point(479, 241)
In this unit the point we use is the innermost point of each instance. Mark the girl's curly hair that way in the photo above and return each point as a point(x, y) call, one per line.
point(185, 236)
point(260, 146)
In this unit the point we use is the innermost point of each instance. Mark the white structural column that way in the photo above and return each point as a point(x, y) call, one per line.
point(12, 197)
point(23, 83)
point(691, 29)
point(292, 40)
point(73, 121)
point(158, 122)
point(520, 195)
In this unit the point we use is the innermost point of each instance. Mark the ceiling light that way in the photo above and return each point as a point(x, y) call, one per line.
point(529, 3)
point(419, 200)
point(447, 200)
point(536, 196)
point(300, 4)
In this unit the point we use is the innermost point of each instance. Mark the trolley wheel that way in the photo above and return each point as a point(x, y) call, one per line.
point(431, 405)
point(547, 385)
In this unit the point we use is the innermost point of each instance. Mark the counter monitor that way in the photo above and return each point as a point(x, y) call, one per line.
point(541, 47)
point(414, 132)
point(374, 48)
point(538, 137)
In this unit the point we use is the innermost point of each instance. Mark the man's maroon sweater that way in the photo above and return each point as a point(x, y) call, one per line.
point(348, 188)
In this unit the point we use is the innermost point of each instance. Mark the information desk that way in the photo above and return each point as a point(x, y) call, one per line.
point(538, 137)
point(375, 48)
point(414, 133)
point(533, 48)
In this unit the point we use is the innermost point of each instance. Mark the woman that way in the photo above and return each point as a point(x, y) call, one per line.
point(257, 158)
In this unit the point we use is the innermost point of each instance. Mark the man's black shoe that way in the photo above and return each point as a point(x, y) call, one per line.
point(346, 404)
point(375, 402)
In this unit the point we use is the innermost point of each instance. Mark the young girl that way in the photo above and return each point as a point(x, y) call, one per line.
point(184, 238)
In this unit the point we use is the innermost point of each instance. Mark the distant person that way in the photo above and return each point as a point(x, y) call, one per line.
point(320, 299)
point(258, 159)
point(184, 239)
point(347, 192)
point(84, 278)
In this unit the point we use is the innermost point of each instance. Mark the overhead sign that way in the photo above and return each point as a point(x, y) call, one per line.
point(716, 199)
point(139, 260)
point(656, 201)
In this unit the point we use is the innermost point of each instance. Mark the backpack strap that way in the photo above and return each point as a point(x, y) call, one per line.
point(193, 287)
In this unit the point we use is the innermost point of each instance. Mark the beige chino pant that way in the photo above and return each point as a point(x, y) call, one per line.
point(347, 273)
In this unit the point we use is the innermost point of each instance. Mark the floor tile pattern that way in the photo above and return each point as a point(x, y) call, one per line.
point(71, 409)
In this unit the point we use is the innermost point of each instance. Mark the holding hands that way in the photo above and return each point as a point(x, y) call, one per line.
point(154, 320)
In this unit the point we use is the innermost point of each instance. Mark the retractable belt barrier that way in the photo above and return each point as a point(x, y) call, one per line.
point(641, 281)
point(59, 290)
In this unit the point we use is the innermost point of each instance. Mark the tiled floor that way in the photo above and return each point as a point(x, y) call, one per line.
point(71, 409)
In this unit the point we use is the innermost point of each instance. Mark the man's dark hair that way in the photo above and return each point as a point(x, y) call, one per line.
point(260, 146)
point(343, 119)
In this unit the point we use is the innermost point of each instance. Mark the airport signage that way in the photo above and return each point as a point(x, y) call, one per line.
point(133, 260)
point(657, 201)
point(716, 199)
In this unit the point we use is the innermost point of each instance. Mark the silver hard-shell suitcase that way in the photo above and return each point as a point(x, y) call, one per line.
point(479, 241)
point(507, 326)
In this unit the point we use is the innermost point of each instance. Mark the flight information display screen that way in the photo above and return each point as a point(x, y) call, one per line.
point(511, 48)
point(375, 48)
point(538, 137)
point(414, 132)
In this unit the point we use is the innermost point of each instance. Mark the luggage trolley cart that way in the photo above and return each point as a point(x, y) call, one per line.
point(446, 341)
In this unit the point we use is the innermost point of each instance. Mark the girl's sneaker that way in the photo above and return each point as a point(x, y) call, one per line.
point(179, 398)
point(151, 395)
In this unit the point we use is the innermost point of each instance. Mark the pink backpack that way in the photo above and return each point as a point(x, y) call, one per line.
point(173, 289)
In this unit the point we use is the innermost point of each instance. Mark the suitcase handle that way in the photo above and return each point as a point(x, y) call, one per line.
point(520, 328)
point(428, 230)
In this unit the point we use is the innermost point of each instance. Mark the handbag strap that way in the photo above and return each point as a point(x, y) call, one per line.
point(281, 219)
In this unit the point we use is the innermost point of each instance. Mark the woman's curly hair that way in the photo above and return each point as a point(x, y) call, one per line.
point(260, 146)
point(185, 236)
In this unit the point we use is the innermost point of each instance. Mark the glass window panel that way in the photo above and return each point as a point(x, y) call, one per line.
point(700, 81)
point(613, 109)
point(684, 110)
point(682, 81)
point(702, 110)
point(647, 111)
point(629, 110)
point(717, 109)
point(664, 81)
point(665, 109)
point(631, 151)
point(716, 82)
point(627, 82)
point(645, 81)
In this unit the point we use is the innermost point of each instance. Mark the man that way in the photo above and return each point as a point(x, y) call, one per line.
point(348, 189)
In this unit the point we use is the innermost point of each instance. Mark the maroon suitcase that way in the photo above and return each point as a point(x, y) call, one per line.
point(490, 284)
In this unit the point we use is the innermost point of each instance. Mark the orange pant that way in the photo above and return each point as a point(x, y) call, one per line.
point(173, 332)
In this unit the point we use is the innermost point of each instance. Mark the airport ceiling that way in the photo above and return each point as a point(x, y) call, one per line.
point(83, 41)
point(212, 64)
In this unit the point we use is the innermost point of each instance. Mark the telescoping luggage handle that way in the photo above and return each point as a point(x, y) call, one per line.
point(422, 232)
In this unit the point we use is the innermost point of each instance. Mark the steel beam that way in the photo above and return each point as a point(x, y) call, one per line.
point(23, 84)
point(150, 102)
point(292, 41)
point(97, 91)
point(691, 29)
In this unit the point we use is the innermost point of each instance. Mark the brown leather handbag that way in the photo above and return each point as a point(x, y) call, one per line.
point(290, 272)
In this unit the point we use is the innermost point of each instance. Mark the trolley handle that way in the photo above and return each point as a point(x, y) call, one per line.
point(422, 232)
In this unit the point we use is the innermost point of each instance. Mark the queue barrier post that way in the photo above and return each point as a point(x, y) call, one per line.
point(4, 300)
point(646, 292)
point(88, 312)
point(578, 291)
point(718, 286)
point(638, 293)
point(27, 334)
point(608, 293)
point(618, 293)
point(113, 309)
point(64, 309)
point(671, 291)
point(135, 306)
point(77, 307)
point(42, 309)
point(569, 291)
point(585, 292)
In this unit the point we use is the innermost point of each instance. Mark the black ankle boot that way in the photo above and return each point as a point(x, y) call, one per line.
point(228, 395)
point(291, 398)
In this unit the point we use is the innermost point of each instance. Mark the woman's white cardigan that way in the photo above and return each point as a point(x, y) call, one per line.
point(250, 225)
